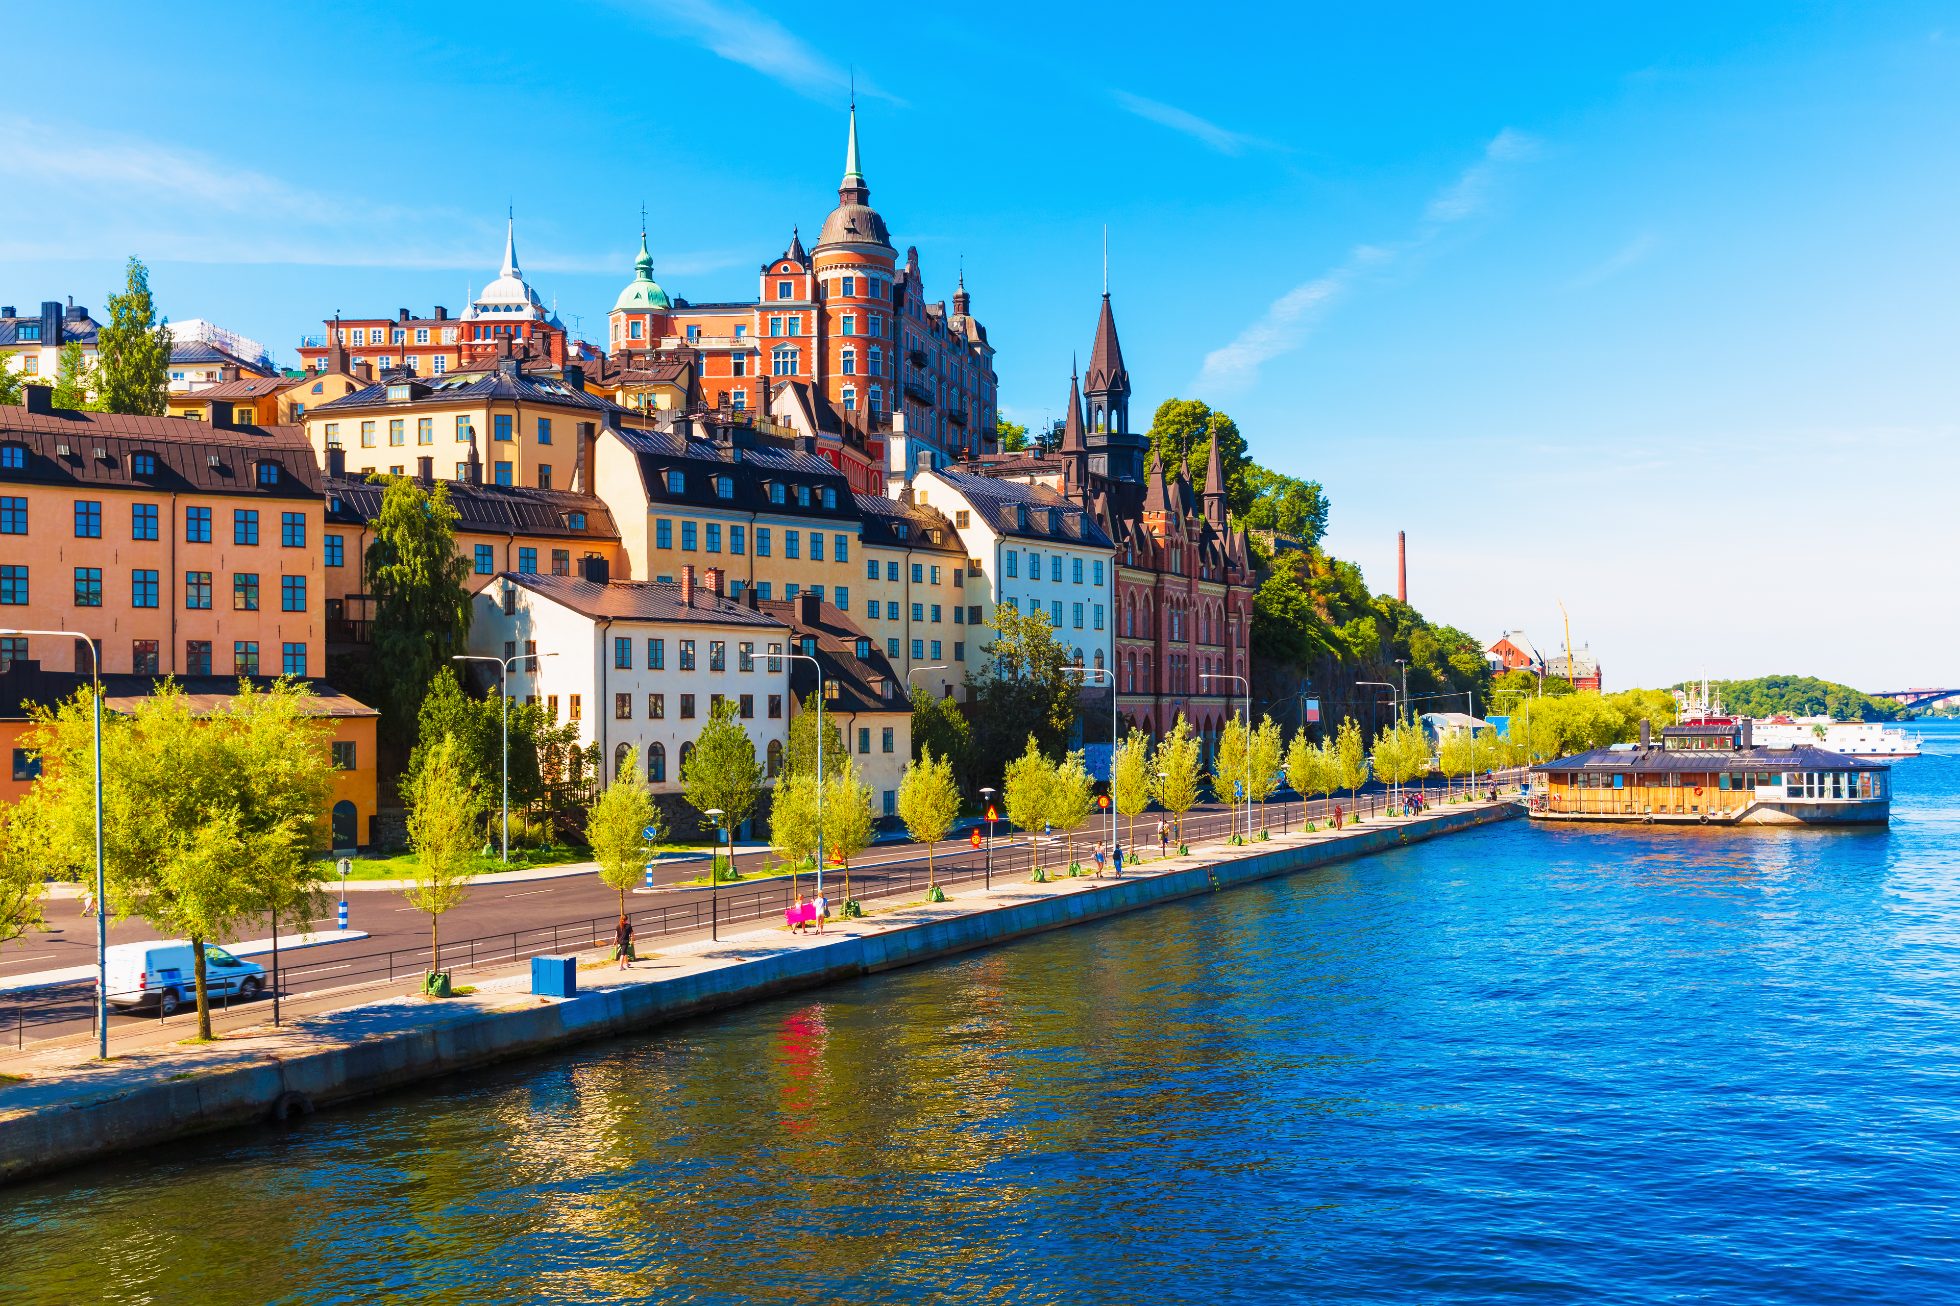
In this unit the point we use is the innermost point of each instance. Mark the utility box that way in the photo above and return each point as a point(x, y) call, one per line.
point(554, 977)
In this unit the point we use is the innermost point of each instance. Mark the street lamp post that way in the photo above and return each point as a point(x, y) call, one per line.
point(987, 793)
point(714, 875)
point(101, 902)
point(805, 657)
point(1245, 695)
point(1115, 842)
point(503, 692)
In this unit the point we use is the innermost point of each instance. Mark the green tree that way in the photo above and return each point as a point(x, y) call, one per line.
point(616, 824)
point(279, 751)
point(793, 821)
point(1230, 763)
point(1129, 779)
point(722, 772)
point(1454, 756)
point(1284, 504)
point(939, 725)
point(1351, 760)
point(421, 608)
point(1181, 431)
point(928, 802)
point(1013, 436)
point(446, 712)
point(21, 871)
point(1177, 764)
point(1020, 690)
point(800, 758)
point(1265, 756)
point(12, 382)
point(71, 378)
point(1312, 769)
point(847, 820)
point(1071, 797)
point(445, 821)
point(1026, 786)
point(133, 352)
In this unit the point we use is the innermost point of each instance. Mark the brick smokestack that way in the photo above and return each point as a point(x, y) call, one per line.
point(1401, 566)
point(687, 584)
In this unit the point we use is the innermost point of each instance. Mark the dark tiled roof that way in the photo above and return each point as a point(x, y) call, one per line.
point(191, 456)
point(883, 517)
point(642, 600)
point(837, 652)
point(25, 682)
point(1000, 503)
point(1622, 760)
point(488, 509)
point(199, 351)
point(248, 387)
point(527, 387)
point(73, 331)
point(753, 467)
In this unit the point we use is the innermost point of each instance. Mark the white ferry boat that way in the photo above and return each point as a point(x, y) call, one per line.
point(1851, 738)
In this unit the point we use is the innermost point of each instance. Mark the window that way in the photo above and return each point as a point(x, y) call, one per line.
point(843, 598)
point(663, 533)
point(622, 653)
point(1099, 571)
point(775, 660)
point(816, 546)
point(918, 612)
point(144, 657)
point(462, 427)
point(1013, 564)
point(13, 648)
point(292, 659)
point(245, 591)
point(292, 593)
point(197, 525)
point(88, 587)
point(244, 525)
point(500, 427)
point(503, 474)
point(745, 656)
point(775, 714)
point(792, 544)
point(864, 739)
point(13, 457)
point(27, 765)
point(622, 707)
point(544, 430)
point(677, 482)
point(197, 657)
point(656, 655)
point(88, 519)
point(336, 553)
point(544, 476)
point(847, 362)
point(1077, 576)
point(245, 657)
point(1099, 616)
point(367, 435)
point(268, 474)
point(292, 530)
point(425, 430)
point(802, 496)
point(143, 588)
point(527, 561)
point(714, 537)
point(689, 536)
point(687, 655)
point(1055, 569)
point(891, 648)
point(918, 649)
point(687, 709)
point(1055, 613)
point(486, 559)
point(762, 542)
point(782, 361)
point(343, 755)
point(657, 763)
point(142, 521)
point(886, 740)
point(724, 487)
point(197, 590)
point(785, 289)
point(746, 707)
point(656, 707)
point(13, 585)
point(13, 515)
point(717, 655)
point(575, 709)
point(397, 430)
point(561, 562)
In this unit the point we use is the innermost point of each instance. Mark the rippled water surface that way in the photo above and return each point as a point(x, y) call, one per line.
point(1517, 1065)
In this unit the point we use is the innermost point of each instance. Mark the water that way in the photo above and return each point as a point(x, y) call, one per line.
point(1519, 1065)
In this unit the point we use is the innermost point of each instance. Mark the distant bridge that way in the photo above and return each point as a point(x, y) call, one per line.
point(1917, 697)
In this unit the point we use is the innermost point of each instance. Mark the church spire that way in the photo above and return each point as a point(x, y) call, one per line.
point(1214, 496)
point(1108, 385)
point(853, 174)
point(510, 243)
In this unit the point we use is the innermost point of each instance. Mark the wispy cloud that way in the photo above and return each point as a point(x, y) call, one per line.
point(1634, 251)
point(739, 34)
point(1190, 124)
point(1288, 319)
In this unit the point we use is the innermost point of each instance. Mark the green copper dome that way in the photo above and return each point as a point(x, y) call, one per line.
point(643, 292)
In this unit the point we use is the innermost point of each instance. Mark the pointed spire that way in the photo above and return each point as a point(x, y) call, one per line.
point(1072, 438)
point(644, 263)
point(1215, 485)
point(853, 174)
point(795, 251)
point(1157, 496)
point(510, 242)
point(1107, 374)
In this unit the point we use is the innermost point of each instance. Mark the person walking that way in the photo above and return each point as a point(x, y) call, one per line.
point(822, 905)
point(1337, 816)
point(623, 942)
point(1163, 839)
point(1101, 855)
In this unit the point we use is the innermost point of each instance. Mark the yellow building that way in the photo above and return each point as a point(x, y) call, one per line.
point(268, 400)
point(863, 695)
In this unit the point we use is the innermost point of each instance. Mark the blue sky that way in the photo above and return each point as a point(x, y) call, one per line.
point(1651, 313)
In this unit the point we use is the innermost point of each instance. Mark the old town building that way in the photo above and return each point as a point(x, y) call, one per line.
point(30, 343)
point(863, 695)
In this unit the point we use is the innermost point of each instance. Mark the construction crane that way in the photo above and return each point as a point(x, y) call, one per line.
point(1569, 676)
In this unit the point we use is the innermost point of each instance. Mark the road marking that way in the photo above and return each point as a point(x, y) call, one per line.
point(527, 893)
point(39, 956)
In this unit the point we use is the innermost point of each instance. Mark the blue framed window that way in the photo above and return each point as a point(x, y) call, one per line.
point(843, 598)
point(737, 539)
point(292, 530)
point(792, 544)
point(656, 655)
point(13, 457)
point(292, 661)
point(503, 474)
point(688, 537)
point(292, 593)
point(622, 652)
point(13, 585)
point(527, 561)
point(197, 525)
point(197, 590)
point(336, 553)
point(762, 541)
point(143, 588)
point(486, 559)
point(500, 427)
point(816, 546)
point(143, 521)
point(544, 430)
point(13, 515)
point(143, 464)
point(268, 474)
point(663, 533)
point(88, 587)
point(714, 537)
point(245, 591)
point(88, 519)
point(244, 525)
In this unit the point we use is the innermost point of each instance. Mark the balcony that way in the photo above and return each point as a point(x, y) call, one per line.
point(918, 394)
point(918, 357)
point(312, 342)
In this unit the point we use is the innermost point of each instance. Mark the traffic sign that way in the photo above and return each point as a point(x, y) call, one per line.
point(651, 832)
point(1238, 790)
point(1102, 800)
point(976, 837)
point(992, 815)
point(346, 867)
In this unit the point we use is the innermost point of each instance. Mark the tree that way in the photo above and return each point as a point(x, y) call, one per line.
point(12, 383)
point(21, 871)
point(71, 378)
point(939, 725)
point(445, 820)
point(1012, 436)
point(1176, 763)
point(1454, 757)
point(1350, 759)
point(1229, 764)
point(1284, 504)
point(1181, 431)
point(616, 824)
point(133, 353)
point(421, 608)
point(1401, 753)
point(847, 821)
point(1071, 797)
point(1129, 778)
point(446, 712)
point(281, 755)
point(1020, 690)
point(1025, 786)
point(722, 772)
point(1312, 768)
point(793, 821)
point(800, 758)
point(928, 801)
point(1263, 762)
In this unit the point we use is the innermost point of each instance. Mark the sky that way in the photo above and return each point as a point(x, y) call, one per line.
point(1650, 313)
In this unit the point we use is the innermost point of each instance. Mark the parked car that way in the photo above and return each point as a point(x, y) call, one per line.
point(163, 974)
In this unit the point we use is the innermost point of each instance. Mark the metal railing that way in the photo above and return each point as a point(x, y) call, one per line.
point(698, 911)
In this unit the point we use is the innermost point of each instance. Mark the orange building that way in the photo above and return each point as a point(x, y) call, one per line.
point(844, 317)
point(269, 400)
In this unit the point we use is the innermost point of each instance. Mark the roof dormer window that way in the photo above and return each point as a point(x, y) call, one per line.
point(398, 393)
point(863, 648)
point(13, 457)
point(268, 473)
point(575, 521)
point(143, 464)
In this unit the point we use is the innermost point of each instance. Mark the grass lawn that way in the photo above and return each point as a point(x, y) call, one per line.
point(402, 866)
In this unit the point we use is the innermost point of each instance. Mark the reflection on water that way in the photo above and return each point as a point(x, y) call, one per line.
point(1538, 1064)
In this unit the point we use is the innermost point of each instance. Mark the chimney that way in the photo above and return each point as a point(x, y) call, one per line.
point(1401, 566)
point(1748, 732)
point(1646, 733)
point(473, 465)
point(687, 584)
point(712, 578)
point(425, 469)
point(336, 461)
point(51, 323)
point(6, 310)
point(587, 450)
point(575, 377)
point(401, 315)
point(364, 370)
point(594, 569)
point(442, 314)
point(223, 418)
point(754, 600)
point(228, 372)
point(38, 398)
point(809, 609)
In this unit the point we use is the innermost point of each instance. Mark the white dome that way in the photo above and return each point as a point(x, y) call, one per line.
point(509, 295)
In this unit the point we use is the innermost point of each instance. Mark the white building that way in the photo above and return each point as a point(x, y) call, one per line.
point(1033, 548)
point(639, 665)
point(30, 343)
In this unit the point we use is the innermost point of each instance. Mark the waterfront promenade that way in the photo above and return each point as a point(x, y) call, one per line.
point(63, 1107)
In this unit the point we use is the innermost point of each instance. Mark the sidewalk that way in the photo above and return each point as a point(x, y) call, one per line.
point(41, 979)
point(565, 871)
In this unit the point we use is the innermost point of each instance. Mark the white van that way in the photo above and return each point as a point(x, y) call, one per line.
point(164, 974)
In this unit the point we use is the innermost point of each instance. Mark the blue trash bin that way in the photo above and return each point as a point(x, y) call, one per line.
point(554, 977)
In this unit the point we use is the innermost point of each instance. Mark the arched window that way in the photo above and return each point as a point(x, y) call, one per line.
point(1099, 660)
point(657, 764)
point(775, 758)
point(687, 751)
point(621, 756)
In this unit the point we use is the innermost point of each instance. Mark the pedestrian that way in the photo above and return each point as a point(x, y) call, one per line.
point(1101, 855)
point(1337, 816)
point(822, 905)
point(1116, 856)
point(88, 902)
point(623, 942)
point(1163, 839)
